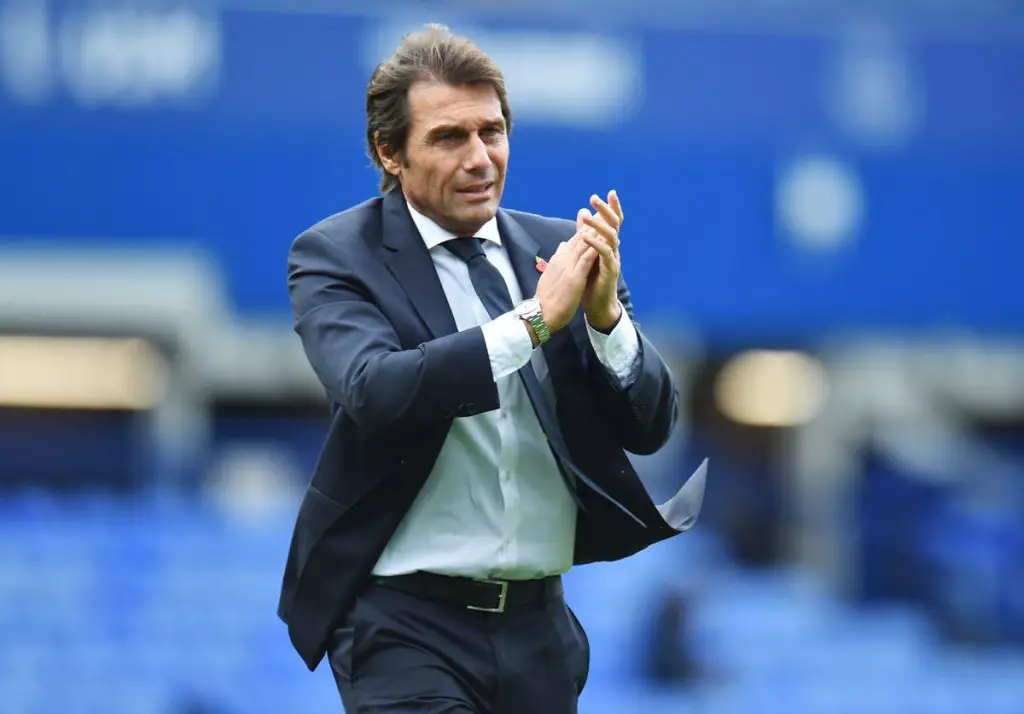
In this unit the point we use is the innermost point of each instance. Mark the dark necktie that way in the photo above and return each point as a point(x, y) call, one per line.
point(493, 293)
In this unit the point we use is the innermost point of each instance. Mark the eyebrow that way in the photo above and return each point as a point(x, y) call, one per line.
point(457, 129)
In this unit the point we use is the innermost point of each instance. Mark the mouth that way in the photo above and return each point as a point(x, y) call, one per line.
point(477, 190)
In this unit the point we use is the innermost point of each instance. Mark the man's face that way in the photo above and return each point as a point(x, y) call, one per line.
point(453, 168)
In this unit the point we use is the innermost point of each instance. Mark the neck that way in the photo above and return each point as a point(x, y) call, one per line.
point(458, 229)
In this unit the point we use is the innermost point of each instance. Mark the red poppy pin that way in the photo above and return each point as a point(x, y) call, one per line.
point(541, 264)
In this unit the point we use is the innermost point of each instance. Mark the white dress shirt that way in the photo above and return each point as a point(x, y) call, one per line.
point(495, 505)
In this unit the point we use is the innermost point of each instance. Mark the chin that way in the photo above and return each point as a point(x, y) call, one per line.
point(486, 211)
point(472, 217)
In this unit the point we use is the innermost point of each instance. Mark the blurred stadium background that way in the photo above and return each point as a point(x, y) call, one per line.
point(825, 214)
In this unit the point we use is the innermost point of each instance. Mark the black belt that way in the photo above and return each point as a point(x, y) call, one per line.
point(473, 594)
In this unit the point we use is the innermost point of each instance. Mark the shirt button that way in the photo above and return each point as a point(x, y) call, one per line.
point(505, 475)
point(502, 414)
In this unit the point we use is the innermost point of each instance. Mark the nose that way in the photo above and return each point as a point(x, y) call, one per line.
point(477, 159)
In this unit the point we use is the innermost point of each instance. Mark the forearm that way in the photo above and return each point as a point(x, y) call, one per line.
point(644, 412)
point(385, 389)
point(634, 382)
point(356, 353)
point(617, 347)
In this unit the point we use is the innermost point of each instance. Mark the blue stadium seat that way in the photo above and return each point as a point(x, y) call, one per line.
point(145, 608)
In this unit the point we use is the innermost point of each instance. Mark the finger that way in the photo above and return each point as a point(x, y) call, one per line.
point(599, 244)
point(605, 210)
point(602, 248)
point(604, 231)
point(568, 252)
point(582, 268)
point(581, 227)
point(571, 249)
point(613, 201)
point(581, 216)
point(578, 247)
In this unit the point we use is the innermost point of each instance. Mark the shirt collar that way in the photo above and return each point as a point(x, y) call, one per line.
point(434, 235)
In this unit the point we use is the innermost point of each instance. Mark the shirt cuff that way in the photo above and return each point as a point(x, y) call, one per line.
point(509, 344)
point(619, 350)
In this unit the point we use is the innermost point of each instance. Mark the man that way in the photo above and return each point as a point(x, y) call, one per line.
point(477, 445)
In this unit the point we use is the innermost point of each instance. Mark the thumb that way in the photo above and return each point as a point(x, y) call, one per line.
point(580, 215)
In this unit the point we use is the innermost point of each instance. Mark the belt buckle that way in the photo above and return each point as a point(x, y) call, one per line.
point(502, 595)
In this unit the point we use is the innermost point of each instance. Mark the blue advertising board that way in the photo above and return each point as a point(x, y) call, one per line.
point(775, 184)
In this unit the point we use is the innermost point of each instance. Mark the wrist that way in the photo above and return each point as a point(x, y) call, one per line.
point(605, 320)
point(531, 313)
point(547, 314)
point(533, 333)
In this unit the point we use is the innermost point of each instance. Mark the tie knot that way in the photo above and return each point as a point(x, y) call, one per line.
point(464, 248)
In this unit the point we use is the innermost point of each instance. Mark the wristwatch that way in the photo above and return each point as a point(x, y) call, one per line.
point(529, 310)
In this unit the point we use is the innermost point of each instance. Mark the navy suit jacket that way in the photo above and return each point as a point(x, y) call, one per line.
point(377, 330)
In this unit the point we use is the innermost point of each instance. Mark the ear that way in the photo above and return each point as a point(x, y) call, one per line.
point(392, 162)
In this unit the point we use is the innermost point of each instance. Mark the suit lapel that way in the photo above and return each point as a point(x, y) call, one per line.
point(523, 252)
point(409, 261)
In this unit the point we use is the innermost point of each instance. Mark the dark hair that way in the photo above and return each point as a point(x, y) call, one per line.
point(433, 54)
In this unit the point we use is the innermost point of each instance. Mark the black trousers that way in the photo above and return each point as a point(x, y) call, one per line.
point(401, 653)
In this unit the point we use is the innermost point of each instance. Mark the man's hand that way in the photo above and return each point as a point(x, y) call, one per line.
point(600, 231)
point(561, 286)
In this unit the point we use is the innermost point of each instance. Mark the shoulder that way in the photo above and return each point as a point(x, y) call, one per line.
point(344, 231)
point(544, 229)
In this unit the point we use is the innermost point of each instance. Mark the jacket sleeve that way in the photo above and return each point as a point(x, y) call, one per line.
point(645, 412)
point(357, 355)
